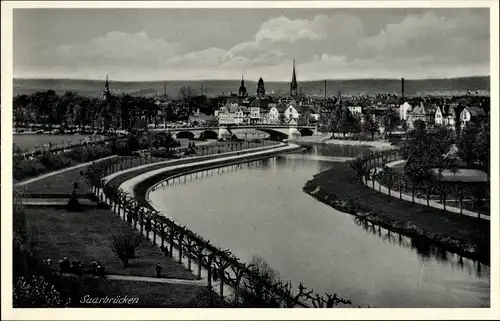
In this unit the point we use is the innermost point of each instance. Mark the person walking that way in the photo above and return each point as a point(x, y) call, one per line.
point(158, 270)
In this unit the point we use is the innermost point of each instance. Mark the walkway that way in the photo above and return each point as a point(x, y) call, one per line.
point(37, 178)
point(155, 280)
point(432, 203)
point(187, 160)
point(55, 202)
point(128, 186)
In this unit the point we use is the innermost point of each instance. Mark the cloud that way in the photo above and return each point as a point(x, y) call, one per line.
point(459, 38)
point(283, 29)
point(115, 48)
point(325, 46)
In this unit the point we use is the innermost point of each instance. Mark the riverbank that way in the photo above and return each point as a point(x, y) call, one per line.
point(315, 140)
point(141, 183)
point(338, 187)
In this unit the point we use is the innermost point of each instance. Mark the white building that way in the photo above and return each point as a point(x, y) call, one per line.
point(404, 111)
point(291, 112)
point(273, 116)
point(471, 114)
point(355, 110)
point(445, 116)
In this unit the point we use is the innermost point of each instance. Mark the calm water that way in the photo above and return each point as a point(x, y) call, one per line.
point(260, 209)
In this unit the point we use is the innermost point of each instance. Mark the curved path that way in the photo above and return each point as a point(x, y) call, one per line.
point(67, 169)
point(432, 203)
point(128, 187)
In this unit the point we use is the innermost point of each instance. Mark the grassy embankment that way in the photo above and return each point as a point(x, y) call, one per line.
point(464, 235)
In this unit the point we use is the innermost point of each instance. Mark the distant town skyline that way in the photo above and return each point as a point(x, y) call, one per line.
point(201, 44)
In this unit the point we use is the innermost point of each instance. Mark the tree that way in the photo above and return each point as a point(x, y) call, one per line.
point(255, 294)
point(466, 144)
point(388, 177)
point(186, 94)
point(370, 126)
point(348, 123)
point(481, 148)
point(358, 165)
point(125, 245)
point(282, 118)
point(390, 120)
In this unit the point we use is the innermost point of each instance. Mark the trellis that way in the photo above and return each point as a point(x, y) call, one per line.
point(221, 265)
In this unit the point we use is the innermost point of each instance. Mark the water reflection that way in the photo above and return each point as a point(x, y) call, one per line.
point(424, 249)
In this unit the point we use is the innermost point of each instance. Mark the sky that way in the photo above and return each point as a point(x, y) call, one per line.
point(189, 44)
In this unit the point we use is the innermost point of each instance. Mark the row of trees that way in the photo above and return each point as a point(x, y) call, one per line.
point(340, 120)
point(123, 111)
point(428, 153)
point(423, 185)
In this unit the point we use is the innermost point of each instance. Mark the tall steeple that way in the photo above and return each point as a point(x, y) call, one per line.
point(106, 93)
point(243, 90)
point(293, 84)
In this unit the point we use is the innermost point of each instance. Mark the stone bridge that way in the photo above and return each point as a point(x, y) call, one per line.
point(276, 132)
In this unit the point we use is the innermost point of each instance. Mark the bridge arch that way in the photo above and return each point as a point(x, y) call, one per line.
point(209, 134)
point(185, 135)
point(275, 135)
point(306, 132)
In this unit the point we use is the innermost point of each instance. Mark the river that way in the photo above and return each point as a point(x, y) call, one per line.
point(260, 209)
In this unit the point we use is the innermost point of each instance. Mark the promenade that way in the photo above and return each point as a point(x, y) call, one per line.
point(377, 186)
point(60, 234)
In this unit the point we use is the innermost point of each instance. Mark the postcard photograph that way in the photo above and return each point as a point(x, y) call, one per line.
point(268, 157)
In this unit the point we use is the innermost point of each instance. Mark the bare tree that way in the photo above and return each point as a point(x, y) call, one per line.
point(125, 243)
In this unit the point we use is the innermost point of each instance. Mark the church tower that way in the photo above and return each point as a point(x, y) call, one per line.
point(106, 93)
point(261, 91)
point(293, 84)
point(242, 92)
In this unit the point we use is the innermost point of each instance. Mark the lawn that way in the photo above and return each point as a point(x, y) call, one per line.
point(26, 142)
point(150, 295)
point(82, 290)
point(87, 236)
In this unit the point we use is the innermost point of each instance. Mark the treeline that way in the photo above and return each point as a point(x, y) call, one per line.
point(47, 161)
point(340, 120)
point(121, 111)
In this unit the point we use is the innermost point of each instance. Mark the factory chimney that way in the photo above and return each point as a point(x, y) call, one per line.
point(403, 88)
point(325, 88)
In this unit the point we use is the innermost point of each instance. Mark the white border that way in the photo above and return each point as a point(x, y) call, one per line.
point(248, 314)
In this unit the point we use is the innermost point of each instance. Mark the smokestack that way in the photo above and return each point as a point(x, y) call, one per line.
point(403, 88)
point(325, 88)
point(165, 88)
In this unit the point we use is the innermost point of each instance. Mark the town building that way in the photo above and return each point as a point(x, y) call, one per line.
point(404, 111)
point(471, 115)
point(423, 112)
point(355, 110)
point(445, 116)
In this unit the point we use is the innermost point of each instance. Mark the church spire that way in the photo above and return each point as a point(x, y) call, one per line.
point(293, 84)
point(106, 85)
point(242, 92)
point(106, 93)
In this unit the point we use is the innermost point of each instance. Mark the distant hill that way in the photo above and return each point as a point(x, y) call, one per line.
point(217, 87)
